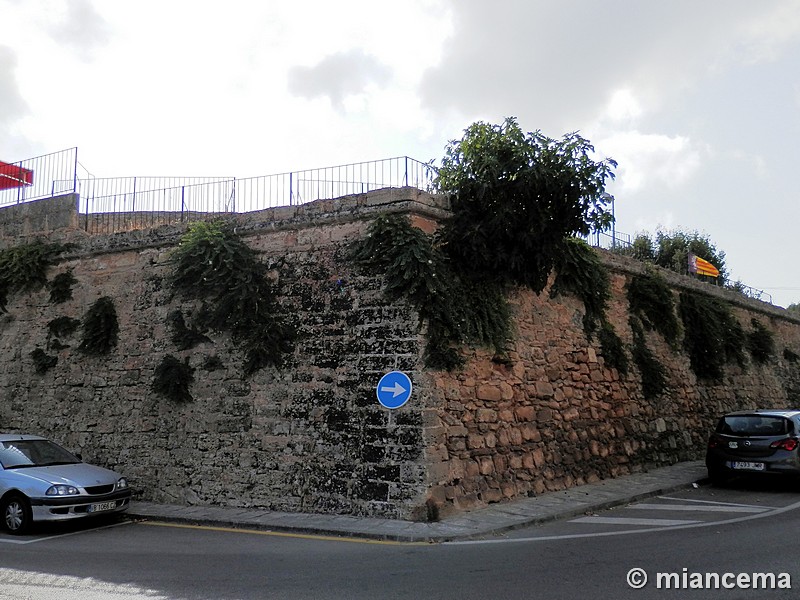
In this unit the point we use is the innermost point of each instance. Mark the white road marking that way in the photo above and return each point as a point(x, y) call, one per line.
point(21, 541)
point(627, 521)
point(574, 536)
point(717, 503)
point(698, 508)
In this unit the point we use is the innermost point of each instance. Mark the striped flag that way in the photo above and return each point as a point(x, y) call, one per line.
point(701, 266)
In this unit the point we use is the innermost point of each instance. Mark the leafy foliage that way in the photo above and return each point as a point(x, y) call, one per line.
point(213, 264)
point(760, 342)
point(61, 287)
point(651, 300)
point(712, 335)
point(457, 308)
point(184, 337)
point(43, 362)
point(100, 327)
point(670, 249)
point(654, 378)
point(172, 379)
point(515, 197)
point(581, 274)
point(790, 355)
point(24, 268)
point(63, 326)
point(612, 348)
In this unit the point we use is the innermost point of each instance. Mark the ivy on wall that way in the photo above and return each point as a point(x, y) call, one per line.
point(654, 376)
point(214, 265)
point(61, 287)
point(172, 379)
point(712, 335)
point(760, 342)
point(100, 327)
point(652, 301)
point(458, 310)
point(23, 268)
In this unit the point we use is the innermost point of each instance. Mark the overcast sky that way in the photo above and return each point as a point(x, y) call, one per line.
point(699, 102)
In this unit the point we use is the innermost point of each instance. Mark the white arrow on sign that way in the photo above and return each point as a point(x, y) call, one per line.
point(396, 389)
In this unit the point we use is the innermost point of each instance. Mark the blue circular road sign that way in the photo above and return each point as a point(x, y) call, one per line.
point(394, 389)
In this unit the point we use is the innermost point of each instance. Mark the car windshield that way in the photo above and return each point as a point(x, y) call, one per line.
point(753, 425)
point(17, 454)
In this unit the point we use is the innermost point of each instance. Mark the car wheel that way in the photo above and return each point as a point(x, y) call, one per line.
point(16, 513)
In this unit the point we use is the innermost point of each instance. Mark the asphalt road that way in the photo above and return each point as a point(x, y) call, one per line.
point(740, 530)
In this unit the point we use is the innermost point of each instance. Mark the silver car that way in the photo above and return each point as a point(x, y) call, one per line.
point(40, 481)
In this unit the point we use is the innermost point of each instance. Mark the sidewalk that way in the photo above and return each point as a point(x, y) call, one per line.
point(493, 519)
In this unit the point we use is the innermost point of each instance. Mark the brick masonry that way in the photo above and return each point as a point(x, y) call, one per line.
point(311, 436)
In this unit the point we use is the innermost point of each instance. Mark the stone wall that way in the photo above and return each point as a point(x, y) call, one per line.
point(311, 436)
point(308, 437)
point(38, 217)
point(555, 416)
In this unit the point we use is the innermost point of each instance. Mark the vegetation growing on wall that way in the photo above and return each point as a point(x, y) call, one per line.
point(712, 335)
point(652, 301)
point(457, 310)
point(61, 287)
point(100, 327)
point(670, 249)
point(184, 337)
point(516, 198)
point(43, 362)
point(214, 265)
point(654, 377)
point(580, 273)
point(24, 268)
point(760, 342)
point(612, 348)
point(172, 379)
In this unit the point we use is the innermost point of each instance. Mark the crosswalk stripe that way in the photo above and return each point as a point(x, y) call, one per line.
point(700, 508)
point(695, 500)
point(627, 521)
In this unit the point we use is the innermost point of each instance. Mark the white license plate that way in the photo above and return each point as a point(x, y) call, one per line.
point(101, 506)
point(748, 466)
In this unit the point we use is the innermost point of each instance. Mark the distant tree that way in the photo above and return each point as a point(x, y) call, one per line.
point(670, 249)
point(794, 308)
point(515, 197)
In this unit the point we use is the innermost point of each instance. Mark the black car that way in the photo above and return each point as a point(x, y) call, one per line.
point(755, 442)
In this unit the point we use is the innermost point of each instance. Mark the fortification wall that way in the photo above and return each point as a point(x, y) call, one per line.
point(311, 436)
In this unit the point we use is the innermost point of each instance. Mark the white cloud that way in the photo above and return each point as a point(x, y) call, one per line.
point(339, 76)
point(650, 160)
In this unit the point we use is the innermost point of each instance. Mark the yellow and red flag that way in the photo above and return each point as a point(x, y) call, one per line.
point(702, 266)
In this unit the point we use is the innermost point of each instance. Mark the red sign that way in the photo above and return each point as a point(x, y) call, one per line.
point(14, 176)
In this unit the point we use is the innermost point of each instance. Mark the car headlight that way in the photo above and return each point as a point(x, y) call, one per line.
point(122, 483)
point(62, 490)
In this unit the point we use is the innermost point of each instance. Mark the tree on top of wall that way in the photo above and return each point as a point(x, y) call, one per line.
point(516, 197)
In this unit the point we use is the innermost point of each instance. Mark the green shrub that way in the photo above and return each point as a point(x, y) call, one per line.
point(100, 327)
point(173, 378)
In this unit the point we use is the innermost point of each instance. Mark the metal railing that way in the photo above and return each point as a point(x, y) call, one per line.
point(40, 177)
point(132, 202)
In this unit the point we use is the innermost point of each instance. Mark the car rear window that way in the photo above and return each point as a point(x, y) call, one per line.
point(753, 425)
